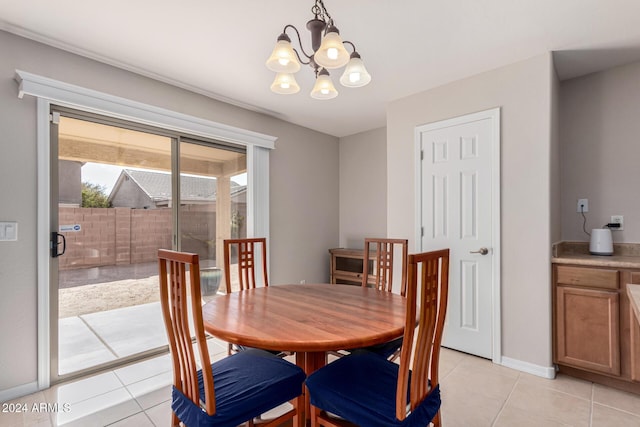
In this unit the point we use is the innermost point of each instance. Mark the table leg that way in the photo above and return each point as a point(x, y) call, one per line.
point(310, 362)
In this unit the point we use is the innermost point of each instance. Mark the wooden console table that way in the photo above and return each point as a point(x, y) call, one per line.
point(346, 266)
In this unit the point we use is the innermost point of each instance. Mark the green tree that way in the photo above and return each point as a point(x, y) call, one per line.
point(93, 196)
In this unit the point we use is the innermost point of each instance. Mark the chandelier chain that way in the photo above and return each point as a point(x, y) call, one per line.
point(319, 10)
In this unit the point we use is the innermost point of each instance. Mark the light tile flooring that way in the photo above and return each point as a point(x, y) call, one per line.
point(475, 392)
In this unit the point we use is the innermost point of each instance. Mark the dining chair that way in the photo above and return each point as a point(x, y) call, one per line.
point(231, 391)
point(246, 250)
point(379, 262)
point(251, 253)
point(368, 390)
point(384, 251)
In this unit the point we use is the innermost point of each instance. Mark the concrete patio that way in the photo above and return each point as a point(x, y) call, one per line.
point(93, 335)
point(92, 339)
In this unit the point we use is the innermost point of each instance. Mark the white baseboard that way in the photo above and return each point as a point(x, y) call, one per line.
point(548, 372)
point(19, 391)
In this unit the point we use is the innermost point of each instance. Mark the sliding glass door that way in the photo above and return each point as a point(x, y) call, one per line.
point(119, 192)
point(213, 206)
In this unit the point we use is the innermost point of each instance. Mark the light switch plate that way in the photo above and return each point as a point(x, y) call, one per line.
point(8, 231)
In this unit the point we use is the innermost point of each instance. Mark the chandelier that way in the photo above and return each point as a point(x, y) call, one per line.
point(329, 53)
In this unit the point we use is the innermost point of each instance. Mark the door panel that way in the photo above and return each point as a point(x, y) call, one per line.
point(468, 208)
point(213, 207)
point(457, 196)
point(440, 227)
point(116, 198)
point(469, 282)
point(53, 261)
point(106, 299)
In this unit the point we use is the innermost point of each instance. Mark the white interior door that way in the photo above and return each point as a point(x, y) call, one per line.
point(459, 209)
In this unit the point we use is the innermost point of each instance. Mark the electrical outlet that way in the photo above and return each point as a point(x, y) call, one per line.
point(617, 219)
point(583, 206)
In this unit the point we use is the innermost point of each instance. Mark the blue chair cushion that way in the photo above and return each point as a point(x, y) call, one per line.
point(386, 349)
point(246, 385)
point(238, 348)
point(361, 388)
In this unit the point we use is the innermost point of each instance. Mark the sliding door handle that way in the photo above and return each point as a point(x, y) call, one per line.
point(55, 243)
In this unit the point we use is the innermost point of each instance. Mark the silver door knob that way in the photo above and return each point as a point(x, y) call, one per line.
point(481, 251)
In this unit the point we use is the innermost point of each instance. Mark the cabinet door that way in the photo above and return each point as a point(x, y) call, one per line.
point(630, 328)
point(635, 346)
point(588, 334)
point(634, 331)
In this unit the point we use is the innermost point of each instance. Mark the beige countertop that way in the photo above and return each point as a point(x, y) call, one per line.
point(634, 297)
point(625, 255)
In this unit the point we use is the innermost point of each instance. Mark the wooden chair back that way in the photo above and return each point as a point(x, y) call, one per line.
point(427, 293)
point(383, 252)
point(179, 286)
point(246, 250)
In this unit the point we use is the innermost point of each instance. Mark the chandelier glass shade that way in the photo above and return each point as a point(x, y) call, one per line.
point(285, 84)
point(331, 54)
point(355, 75)
point(328, 53)
point(324, 89)
point(283, 59)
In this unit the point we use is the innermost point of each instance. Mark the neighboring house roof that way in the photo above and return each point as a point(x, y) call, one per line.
point(157, 186)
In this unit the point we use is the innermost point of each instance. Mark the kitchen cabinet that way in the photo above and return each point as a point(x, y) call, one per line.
point(634, 325)
point(593, 336)
point(346, 266)
point(633, 291)
point(588, 333)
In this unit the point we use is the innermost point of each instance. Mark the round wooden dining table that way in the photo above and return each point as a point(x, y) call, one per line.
point(308, 319)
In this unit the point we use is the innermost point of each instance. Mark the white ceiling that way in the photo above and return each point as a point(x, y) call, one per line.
point(218, 47)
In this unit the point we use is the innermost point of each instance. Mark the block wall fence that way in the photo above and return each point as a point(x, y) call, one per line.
point(117, 236)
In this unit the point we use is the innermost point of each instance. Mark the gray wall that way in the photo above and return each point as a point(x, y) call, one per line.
point(303, 194)
point(600, 153)
point(69, 174)
point(524, 92)
point(128, 194)
point(363, 187)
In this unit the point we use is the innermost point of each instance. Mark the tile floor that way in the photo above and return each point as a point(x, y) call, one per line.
point(475, 392)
